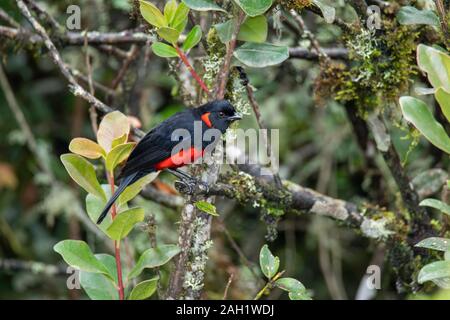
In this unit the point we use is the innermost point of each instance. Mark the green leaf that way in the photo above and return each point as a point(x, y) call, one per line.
point(113, 126)
point(124, 223)
point(299, 296)
point(437, 204)
point(447, 255)
point(260, 55)
point(164, 50)
point(443, 98)
point(121, 140)
point(328, 12)
point(154, 257)
point(254, 8)
point(225, 30)
point(290, 284)
point(254, 29)
point(409, 15)
point(83, 173)
point(435, 243)
point(207, 207)
point(144, 289)
point(436, 64)
point(118, 155)
point(268, 262)
point(77, 254)
point(151, 14)
point(203, 5)
point(180, 17)
point(86, 148)
point(132, 191)
point(438, 272)
point(95, 205)
point(193, 37)
point(96, 285)
point(169, 34)
point(181, 26)
point(417, 112)
point(169, 10)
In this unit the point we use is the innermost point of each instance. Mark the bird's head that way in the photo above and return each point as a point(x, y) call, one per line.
point(219, 114)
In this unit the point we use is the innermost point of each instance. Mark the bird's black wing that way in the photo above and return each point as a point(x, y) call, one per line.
point(156, 145)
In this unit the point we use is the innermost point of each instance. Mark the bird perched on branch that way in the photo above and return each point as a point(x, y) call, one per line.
point(157, 150)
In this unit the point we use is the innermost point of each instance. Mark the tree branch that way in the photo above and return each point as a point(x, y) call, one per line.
point(76, 89)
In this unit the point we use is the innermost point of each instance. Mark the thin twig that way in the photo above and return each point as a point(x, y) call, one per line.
point(8, 19)
point(225, 70)
point(131, 56)
point(443, 19)
point(314, 42)
point(260, 121)
point(20, 117)
point(227, 287)
point(268, 285)
point(56, 57)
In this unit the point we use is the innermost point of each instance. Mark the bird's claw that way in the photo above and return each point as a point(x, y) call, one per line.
point(190, 186)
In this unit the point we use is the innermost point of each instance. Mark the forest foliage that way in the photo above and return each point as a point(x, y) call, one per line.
point(360, 93)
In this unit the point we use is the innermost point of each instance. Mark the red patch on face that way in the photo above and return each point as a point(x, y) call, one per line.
point(180, 159)
point(205, 119)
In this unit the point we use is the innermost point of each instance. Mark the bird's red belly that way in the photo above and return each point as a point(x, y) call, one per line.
point(180, 159)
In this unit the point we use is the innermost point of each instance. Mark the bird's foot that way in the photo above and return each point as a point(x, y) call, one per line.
point(191, 186)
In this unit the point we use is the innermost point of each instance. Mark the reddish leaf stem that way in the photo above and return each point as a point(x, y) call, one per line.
point(116, 245)
point(191, 69)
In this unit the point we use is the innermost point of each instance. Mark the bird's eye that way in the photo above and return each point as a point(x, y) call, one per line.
point(221, 114)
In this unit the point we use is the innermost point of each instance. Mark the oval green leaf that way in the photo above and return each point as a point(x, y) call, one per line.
point(268, 262)
point(438, 272)
point(328, 12)
point(436, 204)
point(144, 289)
point(154, 257)
point(86, 148)
point(254, 29)
point(97, 286)
point(124, 222)
point(169, 10)
point(169, 34)
point(114, 125)
point(77, 254)
point(417, 112)
point(409, 15)
point(207, 207)
point(436, 64)
point(225, 30)
point(118, 155)
point(254, 8)
point(83, 173)
point(303, 295)
point(193, 37)
point(180, 17)
point(121, 140)
point(435, 243)
point(443, 98)
point(290, 285)
point(203, 5)
point(95, 205)
point(260, 55)
point(164, 50)
point(132, 191)
point(151, 14)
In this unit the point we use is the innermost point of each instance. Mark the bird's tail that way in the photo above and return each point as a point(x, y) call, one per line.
point(126, 181)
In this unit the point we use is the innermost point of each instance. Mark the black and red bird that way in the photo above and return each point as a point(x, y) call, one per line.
point(154, 152)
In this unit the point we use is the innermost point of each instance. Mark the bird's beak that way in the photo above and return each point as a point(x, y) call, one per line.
point(235, 117)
